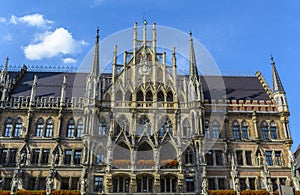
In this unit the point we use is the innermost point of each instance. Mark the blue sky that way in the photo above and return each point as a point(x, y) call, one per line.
point(240, 35)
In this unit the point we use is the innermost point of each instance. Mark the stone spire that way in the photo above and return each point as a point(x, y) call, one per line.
point(193, 64)
point(95, 63)
point(277, 85)
point(3, 73)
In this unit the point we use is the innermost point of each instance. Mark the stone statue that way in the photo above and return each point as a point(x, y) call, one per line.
point(291, 159)
point(270, 186)
point(49, 182)
point(237, 186)
point(83, 186)
point(294, 170)
point(23, 158)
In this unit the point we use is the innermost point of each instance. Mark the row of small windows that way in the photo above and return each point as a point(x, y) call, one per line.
point(212, 130)
point(42, 129)
point(140, 96)
point(241, 131)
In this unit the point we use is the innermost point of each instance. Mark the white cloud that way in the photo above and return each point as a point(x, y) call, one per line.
point(69, 60)
point(51, 44)
point(36, 20)
point(2, 20)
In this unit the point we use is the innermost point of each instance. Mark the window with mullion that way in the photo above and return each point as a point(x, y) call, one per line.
point(45, 156)
point(68, 155)
point(71, 128)
point(98, 184)
point(39, 127)
point(80, 128)
point(8, 129)
point(269, 158)
point(77, 157)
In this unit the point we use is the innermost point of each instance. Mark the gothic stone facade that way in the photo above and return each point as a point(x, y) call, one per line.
point(142, 128)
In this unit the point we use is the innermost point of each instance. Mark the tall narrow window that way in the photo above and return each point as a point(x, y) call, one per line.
point(239, 157)
point(278, 161)
point(170, 96)
point(149, 96)
point(273, 130)
point(219, 157)
point(68, 155)
point(79, 128)
point(102, 128)
point(160, 97)
point(144, 125)
point(3, 156)
point(248, 158)
point(207, 130)
point(49, 128)
point(18, 128)
point(35, 156)
point(12, 156)
point(98, 184)
point(211, 184)
point(209, 158)
point(71, 128)
point(245, 130)
point(236, 130)
point(269, 158)
point(264, 130)
point(221, 183)
point(39, 127)
point(188, 156)
point(189, 184)
point(216, 130)
point(77, 157)
point(45, 156)
point(166, 126)
point(186, 128)
point(8, 127)
point(139, 96)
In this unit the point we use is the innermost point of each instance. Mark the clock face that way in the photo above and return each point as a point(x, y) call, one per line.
point(144, 69)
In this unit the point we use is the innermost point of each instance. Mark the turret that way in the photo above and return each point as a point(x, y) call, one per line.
point(93, 86)
point(278, 90)
point(63, 91)
point(33, 91)
point(193, 65)
point(4, 80)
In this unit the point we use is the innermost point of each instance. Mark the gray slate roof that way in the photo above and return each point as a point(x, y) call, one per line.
point(49, 85)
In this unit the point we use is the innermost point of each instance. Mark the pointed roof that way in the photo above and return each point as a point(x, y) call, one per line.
point(277, 85)
point(193, 64)
point(95, 63)
point(5, 66)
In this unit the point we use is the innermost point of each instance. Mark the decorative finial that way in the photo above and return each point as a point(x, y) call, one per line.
point(97, 33)
point(7, 60)
point(272, 60)
point(191, 34)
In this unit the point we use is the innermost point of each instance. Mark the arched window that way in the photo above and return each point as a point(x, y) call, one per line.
point(102, 127)
point(128, 96)
point(207, 130)
point(273, 130)
point(188, 155)
point(167, 126)
point(245, 126)
point(264, 130)
point(18, 128)
point(160, 96)
point(80, 127)
point(49, 128)
point(149, 96)
point(170, 96)
point(71, 128)
point(236, 130)
point(216, 130)
point(186, 128)
point(122, 123)
point(144, 124)
point(139, 96)
point(8, 127)
point(39, 127)
point(119, 96)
